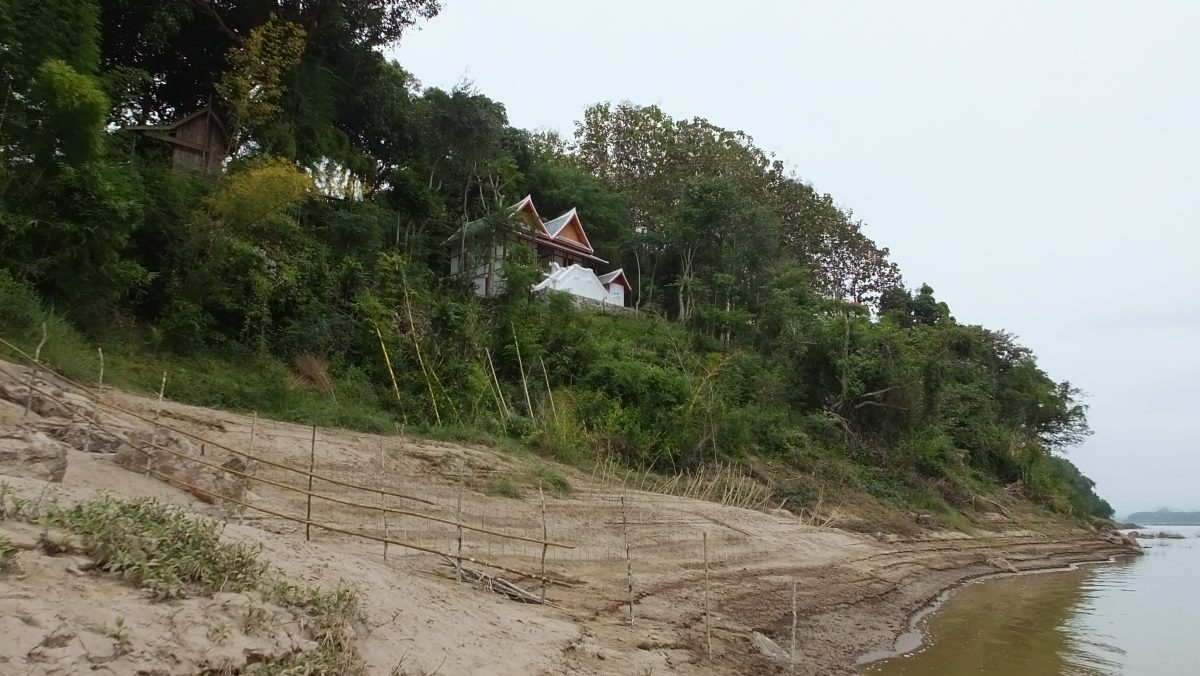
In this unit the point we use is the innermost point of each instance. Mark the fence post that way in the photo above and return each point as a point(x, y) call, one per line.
point(707, 622)
point(628, 558)
point(545, 540)
point(162, 387)
point(793, 652)
point(458, 520)
point(382, 500)
point(312, 456)
point(33, 374)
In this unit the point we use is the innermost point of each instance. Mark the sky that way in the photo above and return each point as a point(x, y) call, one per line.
point(1037, 163)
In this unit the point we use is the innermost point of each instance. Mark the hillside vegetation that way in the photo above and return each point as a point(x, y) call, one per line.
point(771, 332)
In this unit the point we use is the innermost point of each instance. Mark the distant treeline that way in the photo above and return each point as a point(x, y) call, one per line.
point(1165, 517)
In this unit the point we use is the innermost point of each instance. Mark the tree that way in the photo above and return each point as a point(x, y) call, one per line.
point(252, 88)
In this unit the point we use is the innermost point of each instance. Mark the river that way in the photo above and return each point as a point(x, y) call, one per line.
point(1136, 617)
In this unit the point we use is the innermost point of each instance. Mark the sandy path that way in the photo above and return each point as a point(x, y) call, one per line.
point(855, 592)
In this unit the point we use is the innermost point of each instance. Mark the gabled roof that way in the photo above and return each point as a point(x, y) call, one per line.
point(172, 126)
point(561, 227)
point(564, 232)
point(615, 277)
point(526, 207)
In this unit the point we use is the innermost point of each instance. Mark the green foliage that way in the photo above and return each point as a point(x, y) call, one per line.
point(8, 554)
point(159, 547)
point(71, 109)
point(253, 86)
point(770, 325)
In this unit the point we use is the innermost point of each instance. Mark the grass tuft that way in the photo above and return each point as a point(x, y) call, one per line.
point(503, 486)
point(159, 547)
point(8, 554)
point(554, 482)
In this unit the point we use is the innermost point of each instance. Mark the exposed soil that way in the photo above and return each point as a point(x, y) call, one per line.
point(855, 592)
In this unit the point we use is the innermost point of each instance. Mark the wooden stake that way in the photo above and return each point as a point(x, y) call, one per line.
point(628, 558)
point(458, 519)
point(312, 457)
point(253, 428)
point(545, 537)
point(521, 365)
point(793, 652)
point(549, 392)
point(383, 473)
point(162, 387)
point(37, 362)
point(707, 622)
point(100, 379)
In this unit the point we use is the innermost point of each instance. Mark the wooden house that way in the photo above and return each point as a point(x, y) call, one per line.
point(561, 246)
point(197, 141)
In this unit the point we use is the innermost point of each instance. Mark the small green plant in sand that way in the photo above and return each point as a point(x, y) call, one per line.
point(552, 481)
point(8, 554)
point(158, 547)
point(166, 550)
point(503, 486)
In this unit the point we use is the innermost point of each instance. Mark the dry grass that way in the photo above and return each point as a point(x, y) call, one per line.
point(722, 483)
point(309, 370)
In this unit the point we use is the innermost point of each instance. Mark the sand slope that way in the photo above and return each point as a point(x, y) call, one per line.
point(855, 592)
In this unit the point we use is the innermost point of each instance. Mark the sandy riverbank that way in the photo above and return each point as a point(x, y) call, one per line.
point(855, 592)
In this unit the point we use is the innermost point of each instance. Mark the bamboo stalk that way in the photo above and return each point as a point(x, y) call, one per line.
point(707, 622)
point(412, 334)
point(33, 373)
point(496, 379)
point(545, 537)
point(549, 392)
point(312, 456)
point(387, 359)
point(521, 365)
point(628, 557)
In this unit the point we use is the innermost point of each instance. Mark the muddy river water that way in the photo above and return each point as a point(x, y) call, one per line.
point(1136, 617)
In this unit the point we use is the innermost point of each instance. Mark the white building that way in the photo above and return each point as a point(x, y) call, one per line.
point(561, 245)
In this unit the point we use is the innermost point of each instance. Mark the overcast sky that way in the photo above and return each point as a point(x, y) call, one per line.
point(1035, 162)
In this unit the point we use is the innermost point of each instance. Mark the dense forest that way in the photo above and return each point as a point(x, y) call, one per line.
point(770, 330)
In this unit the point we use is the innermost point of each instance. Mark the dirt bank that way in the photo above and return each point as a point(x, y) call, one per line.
point(855, 592)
